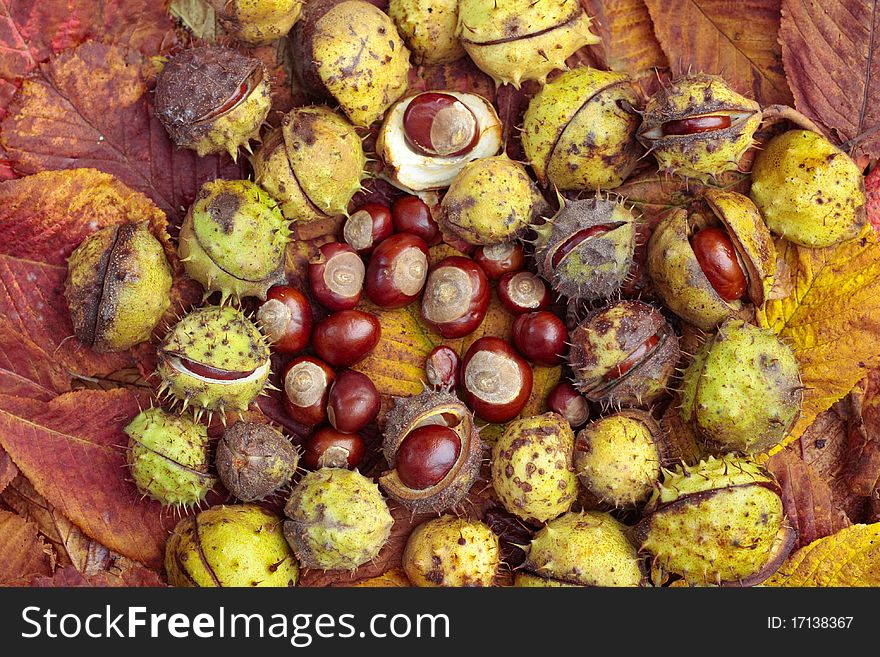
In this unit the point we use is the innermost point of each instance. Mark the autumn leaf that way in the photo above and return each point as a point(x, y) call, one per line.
point(89, 108)
point(735, 39)
point(392, 578)
point(8, 471)
point(23, 554)
point(830, 319)
point(628, 41)
point(70, 576)
point(863, 473)
point(872, 194)
point(199, 17)
point(851, 557)
point(830, 51)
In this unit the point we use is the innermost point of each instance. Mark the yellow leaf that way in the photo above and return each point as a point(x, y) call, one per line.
point(391, 578)
point(851, 557)
point(830, 316)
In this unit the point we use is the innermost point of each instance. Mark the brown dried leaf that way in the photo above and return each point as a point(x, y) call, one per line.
point(8, 471)
point(392, 578)
point(69, 576)
point(830, 51)
point(628, 41)
point(863, 474)
point(735, 39)
point(23, 554)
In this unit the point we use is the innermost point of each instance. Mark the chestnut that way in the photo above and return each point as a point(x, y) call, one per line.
point(499, 259)
point(456, 297)
point(523, 291)
point(307, 384)
point(496, 381)
point(337, 276)
point(285, 317)
point(441, 368)
point(329, 448)
point(426, 456)
point(346, 337)
point(411, 214)
point(565, 400)
point(717, 257)
point(353, 402)
point(367, 226)
point(397, 271)
point(541, 337)
point(439, 124)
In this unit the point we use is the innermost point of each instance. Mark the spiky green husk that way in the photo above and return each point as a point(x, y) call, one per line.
point(233, 240)
point(219, 337)
point(597, 267)
point(742, 392)
point(581, 549)
point(532, 470)
point(238, 127)
point(168, 457)
point(254, 460)
point(428, 27)
point(719, 521)
point(338, 519)
point(236, 546)
point(450, 551)
point(259, 22)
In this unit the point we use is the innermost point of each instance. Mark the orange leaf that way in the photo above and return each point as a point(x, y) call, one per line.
point(392, 578)
point(8, 471)
point(628, 42)
point(23, 554)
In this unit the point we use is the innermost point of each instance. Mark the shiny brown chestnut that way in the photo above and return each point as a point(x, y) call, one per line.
point(411, 214)
point(329, 448)
point(499, 259)
point(541, 337)
point(569, 403)
point(286, 319)
point(353, 402)
point(367, 226)
point(346, 337)
point(307, 384)
point(439, 124)
point(523, 292)
point(336, 276)
point(426, 456)
point(442, 367)
point(495, 380)
point(456, 297)
point(397, 271)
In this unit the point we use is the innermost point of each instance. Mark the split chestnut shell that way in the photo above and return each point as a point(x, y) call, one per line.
point(432, 408)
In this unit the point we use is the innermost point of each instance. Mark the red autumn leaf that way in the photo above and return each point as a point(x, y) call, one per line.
point(70, 576)
point(735, 39)
point(90, 108)
point(830, 51)
point(71, 450)
point(23, 554)
point(8, 471)
point(872, 191)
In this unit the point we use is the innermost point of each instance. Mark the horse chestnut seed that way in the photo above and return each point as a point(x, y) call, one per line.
point(286, 319)
point(307, 384)
point(329, 448)
point(397, 271)
point(346, 337)
point(565, 400)
point(337, 276)
point(367, 226)
point(497, 382)
point(522, 292)
point(427, 455)
point(440, 125)
point(718, 260)
point(353, 402)
point(412, 215)
point(499, 259)
point(442, 367)
point(456, 297)
point(541, 337)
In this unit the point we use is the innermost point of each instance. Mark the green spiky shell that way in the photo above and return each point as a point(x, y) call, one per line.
point(491, 200)
point(338, 519)
point(532, 470)
point(234, 546)
point(809, 191)
point(259, 22)
point(168, 457)
point(581, 549)
point(428, 27)
point(219, 337)
point(406, 414)
point(742, 392)
point(719, 521)
point(312, 164)
point(702, 155)
point(618, 458)
point(233, 240)
point(578, 132)
point(118, 287)
point(598, 266)
point(606, 338)
point(518, 40)
point(451, 551)
point(254, 460)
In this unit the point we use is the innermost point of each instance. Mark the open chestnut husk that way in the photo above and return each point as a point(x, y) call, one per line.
point(704, 265)
point(425, 430)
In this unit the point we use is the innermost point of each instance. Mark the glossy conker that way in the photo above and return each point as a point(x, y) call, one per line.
point(717, 257)
point(499, 259)
point(523, 292)
point(286, 319)
point(367, 226)
point(329, 448)
point(496, 381)
point(353, 402)
point(346, 337)
point(442, 367)
point(456, 297)
point(439, 124)
point(337, 276)
point(426, 456)
point(541, 337)
point(412, 215)
point(569, 403)
point(397, 271)
point(307, 384)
